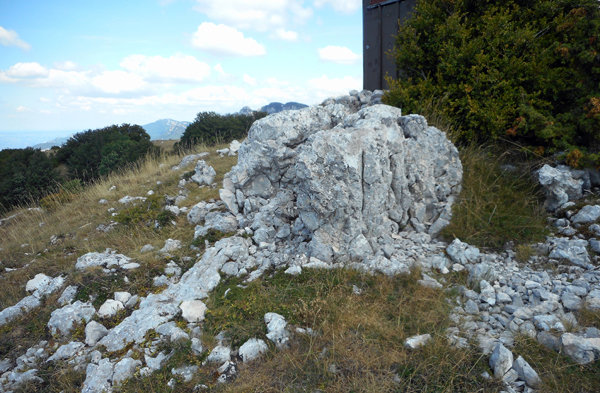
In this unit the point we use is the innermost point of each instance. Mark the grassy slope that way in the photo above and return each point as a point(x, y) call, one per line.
point(359, 341)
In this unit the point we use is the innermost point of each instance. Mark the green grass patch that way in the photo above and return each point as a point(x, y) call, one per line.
point(24, 332)
point(149, 212)
point(495, 205)
point(359, 341)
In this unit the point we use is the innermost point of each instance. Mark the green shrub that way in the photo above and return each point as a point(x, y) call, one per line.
point(91, 154)
point(26, 175)
point(522, 70)
point(210, 128)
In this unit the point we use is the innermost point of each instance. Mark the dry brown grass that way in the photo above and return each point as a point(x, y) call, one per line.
point(26, 245)
point(559, 374)
point(359, 345)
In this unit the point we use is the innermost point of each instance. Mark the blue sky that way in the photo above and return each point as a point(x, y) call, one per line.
point(76, 65)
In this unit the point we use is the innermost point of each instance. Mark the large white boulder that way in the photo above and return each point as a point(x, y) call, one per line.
point(337, 182)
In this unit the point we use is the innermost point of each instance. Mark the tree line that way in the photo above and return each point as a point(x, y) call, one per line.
point(27, 175)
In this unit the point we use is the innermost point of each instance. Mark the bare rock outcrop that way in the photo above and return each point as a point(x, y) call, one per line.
point(336, 183)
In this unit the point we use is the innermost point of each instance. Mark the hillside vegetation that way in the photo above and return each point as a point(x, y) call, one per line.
point(362, 319)
point(518, 70)
point(27, 175)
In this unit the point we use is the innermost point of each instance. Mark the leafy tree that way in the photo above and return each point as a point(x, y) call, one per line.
point(26, 175)
point(522, 70)
point(211, 128)
point(91, 154)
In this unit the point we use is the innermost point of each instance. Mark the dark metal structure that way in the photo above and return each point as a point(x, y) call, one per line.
point(380, 26)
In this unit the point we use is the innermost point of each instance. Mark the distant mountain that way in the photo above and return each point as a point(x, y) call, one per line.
point(275, 107)
point(246, 111)
point(166, 129)
point(50, 144)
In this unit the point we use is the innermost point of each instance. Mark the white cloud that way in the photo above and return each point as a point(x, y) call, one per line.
point(225, 40)
point(27, 70)
point(256, 15)
point(286, 35)
point(249, 80)
point(338, 54)
point(345, 6)
point(219, 69)
point(178, 68)
point(11, 38)
point(116, 82)
point(66, 65)
point(324, 86)
point(22, 108)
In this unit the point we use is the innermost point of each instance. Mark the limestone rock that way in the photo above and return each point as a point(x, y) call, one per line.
point(41, 286)
point(342, 179)
point(252, 349)
point(171, 246)
point(110, 308)
point(526, 373)
point(94, 331)
point(188, 160)
point(68, 295)
point(124, 369)
point(462, 253)
point(193, 310)
point(122, 297)
point(277, 329)
point(582, 350)
point(221, 221)
point(416, 342)
point(186, 373)
point(62, 320)
point(26, 304)
point(129, 199)
point(98, 377)
point(66, 351)
point(234, 147)
point(196, 283)
point(106, 259)
point(572, 250)
point(40, 281)
point(219, 354)
point(559, 186)
point(204, 174)
point(586, 215)
point(147, 248)
point(501, 360)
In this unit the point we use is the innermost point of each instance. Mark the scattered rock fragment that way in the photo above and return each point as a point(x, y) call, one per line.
point(252, 349)
point(501, 361)
point(204, 174)
point(416, 342)
point(94, 331)
point(63, 319)
point(277, 329)
point(193, 310)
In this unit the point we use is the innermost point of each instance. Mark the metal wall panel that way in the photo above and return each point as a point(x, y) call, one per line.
point(380, 26)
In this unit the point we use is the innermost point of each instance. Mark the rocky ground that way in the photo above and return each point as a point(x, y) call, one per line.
point(346, 184)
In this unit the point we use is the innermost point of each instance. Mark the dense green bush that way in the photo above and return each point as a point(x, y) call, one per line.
point(94, 153)
point(211, 128)
point(523, 70)
point(26, 175)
